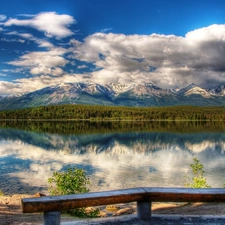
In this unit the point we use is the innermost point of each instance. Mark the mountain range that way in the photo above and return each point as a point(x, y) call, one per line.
point(142, 95)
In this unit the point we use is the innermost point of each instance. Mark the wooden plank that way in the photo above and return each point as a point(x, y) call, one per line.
point(186, 194)
point(59, 203)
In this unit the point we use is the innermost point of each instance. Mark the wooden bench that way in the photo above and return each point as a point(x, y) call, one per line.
point(144, 196)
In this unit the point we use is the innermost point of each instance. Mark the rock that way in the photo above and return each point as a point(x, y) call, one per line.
point(102, 214)
point(39, 195)
point(90, 209)
point(112, 208)
point(124, 211)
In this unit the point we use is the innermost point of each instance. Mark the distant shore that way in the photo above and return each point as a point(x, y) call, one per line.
point(114, 113)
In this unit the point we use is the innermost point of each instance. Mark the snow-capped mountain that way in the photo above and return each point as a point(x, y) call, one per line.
point(193, 89)
point(146, 94)
point(184, 90)
point(116, 88)
point(219, 91)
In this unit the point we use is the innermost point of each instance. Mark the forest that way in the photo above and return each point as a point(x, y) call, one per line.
point(118, 113)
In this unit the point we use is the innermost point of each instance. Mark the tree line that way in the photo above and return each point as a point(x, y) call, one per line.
point(98, 127)
point(88, 112)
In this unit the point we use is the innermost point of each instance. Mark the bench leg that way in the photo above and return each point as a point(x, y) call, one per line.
point(144, 210)
point(52, 218)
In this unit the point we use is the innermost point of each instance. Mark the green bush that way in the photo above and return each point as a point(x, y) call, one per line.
point(1, 193)
point(73, 181)
point(198, 180)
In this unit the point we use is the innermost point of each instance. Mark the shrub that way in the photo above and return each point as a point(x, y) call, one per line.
point(198, 180)
point(1, 193)
point(73, 181)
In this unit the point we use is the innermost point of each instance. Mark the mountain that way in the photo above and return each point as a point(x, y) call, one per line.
point(193, 89)
point(219, 91)
point(146, 94)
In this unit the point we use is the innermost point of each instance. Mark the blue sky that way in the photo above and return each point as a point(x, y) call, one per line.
point(169, 43)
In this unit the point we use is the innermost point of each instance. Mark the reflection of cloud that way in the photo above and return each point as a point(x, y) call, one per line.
point(117, 171)
point(113, 166)
point(200, 147)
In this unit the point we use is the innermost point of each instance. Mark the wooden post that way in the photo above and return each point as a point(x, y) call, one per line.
point(52, 218)
point(144, 210)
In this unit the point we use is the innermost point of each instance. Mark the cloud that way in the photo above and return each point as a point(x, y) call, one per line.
point(47, 70)
point(106, 30)
point(41, 42)
point(26, 15)
point(177, 61)
point(168, 61)
point(51, 23)
point(23, 35)
point(46, 62)
point(7, 88)
point(25, 85)
point(12, 40)
point(2, 17)
point(82, 67)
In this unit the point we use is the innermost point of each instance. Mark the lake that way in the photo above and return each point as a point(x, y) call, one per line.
point(114, 154)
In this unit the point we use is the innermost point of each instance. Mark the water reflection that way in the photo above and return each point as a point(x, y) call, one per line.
point(112, 158)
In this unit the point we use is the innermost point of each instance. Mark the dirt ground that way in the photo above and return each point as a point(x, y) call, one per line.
point(11, 214)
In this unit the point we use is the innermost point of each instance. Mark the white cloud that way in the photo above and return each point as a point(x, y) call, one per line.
point(51, 23)
point(44, 44)
point(41, 42)
point(46, 62)
point(24, 85)
point(47, 70)
point(2, 17)
point(177, 61)
point(12, 40)
point(169, 61)
point(26, 15)
point(7, 88)
point(106, 30)
point(210, 33)
point(82, 67)
point(23, 35)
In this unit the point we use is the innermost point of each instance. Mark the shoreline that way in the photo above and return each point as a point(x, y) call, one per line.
point(10, 210)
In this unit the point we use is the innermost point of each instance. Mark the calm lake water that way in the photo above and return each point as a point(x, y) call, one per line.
point(115, 155)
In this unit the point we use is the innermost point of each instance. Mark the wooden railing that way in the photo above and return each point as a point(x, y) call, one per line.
point(53, 205)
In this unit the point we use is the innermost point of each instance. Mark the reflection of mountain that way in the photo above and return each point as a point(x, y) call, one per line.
point(112, 160)
point(118, 143)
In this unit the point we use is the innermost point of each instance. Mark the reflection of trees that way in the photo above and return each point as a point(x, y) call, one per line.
point(88, 141)
point(88, 127)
